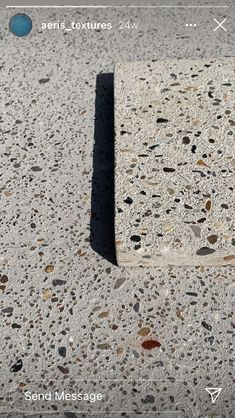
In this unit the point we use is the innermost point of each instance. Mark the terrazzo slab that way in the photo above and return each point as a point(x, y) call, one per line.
point(174, 170)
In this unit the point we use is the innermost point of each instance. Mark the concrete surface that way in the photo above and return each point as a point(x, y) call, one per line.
point(67, 311)
point(174, 163)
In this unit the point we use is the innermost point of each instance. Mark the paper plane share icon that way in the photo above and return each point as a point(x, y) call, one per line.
point(214, 393)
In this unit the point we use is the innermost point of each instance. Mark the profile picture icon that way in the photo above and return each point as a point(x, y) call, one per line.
point(20, 24)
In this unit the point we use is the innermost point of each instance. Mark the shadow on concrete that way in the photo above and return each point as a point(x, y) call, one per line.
point(102, 199)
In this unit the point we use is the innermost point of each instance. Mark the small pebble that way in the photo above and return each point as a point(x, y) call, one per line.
point(136, 307)
point(62, 351)
point(17, 366)
point(104, 346)
point(206, 325)
point(135, 238)
point(119, 283)
point(162, 120)
point(205, 251)
point(128, 200)
point(212, 239)
point(43, 80)
point(49, 268)
point(46, 294)
point(143, 332)
point(168, 169)
point(63, 370)
point(150, 344)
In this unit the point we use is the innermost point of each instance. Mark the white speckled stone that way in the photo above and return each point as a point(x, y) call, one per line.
point(174, 195)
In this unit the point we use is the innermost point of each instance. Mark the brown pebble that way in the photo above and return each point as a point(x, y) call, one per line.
point(229, 257)
point(120, 351)
point(22, 385)
point(4, 279)
point(201, 163)
point(208, 205)
point(144, 331)
point(191, 88)
point(233, 162)
point(150, 344)
point(212, 239)
point(49, 268)
point(179, 314)
point(103, 315)
point(8, 194)
point(46, 294)
point(81, 253)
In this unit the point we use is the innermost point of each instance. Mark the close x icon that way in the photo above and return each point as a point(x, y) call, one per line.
point(220, 25)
